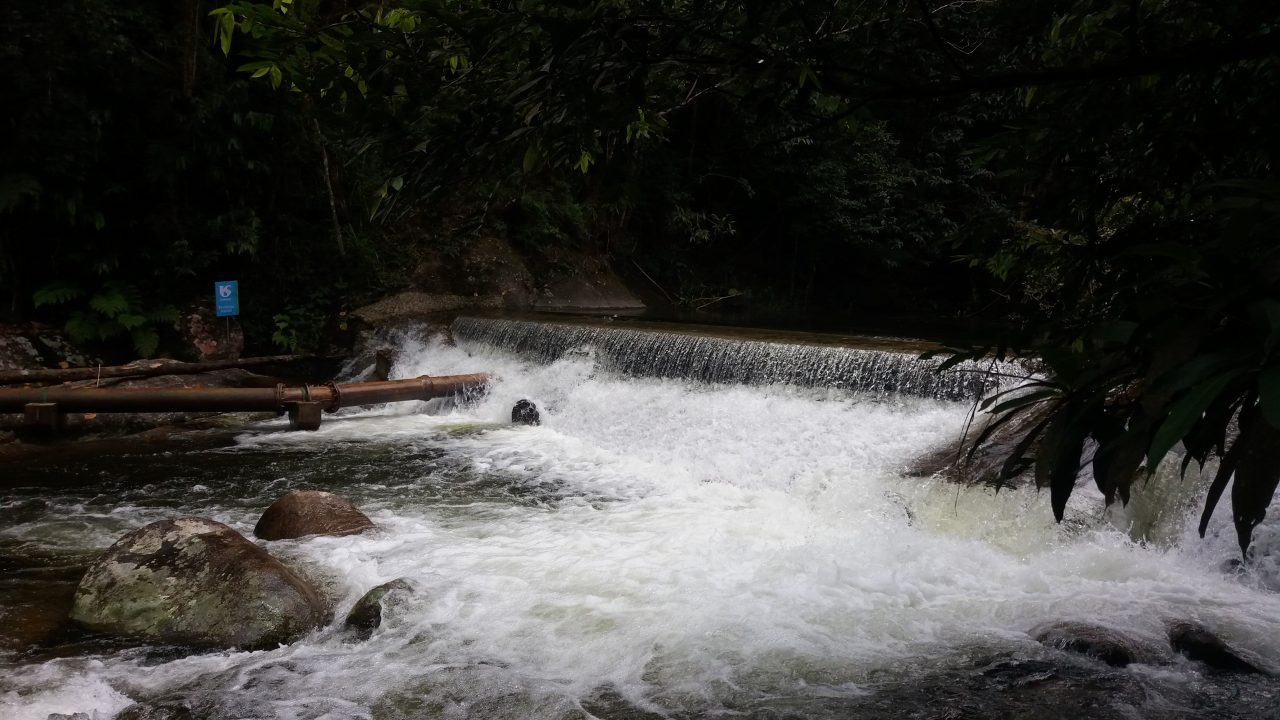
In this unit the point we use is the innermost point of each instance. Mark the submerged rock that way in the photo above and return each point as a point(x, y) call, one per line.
point(192, 581)
point(1113, 647)
point(176, 710)
point(478, 692)
point(366, 615)
point(525, 413)
point(310, 512)
point(1200, 644)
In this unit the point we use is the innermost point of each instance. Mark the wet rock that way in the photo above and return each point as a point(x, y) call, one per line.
point(478, 692)
point(207, 337)
point(72, 716)
point(176, 710)
point(1113, 647)
point(525, 413)
point(366, 615)
point(1200, 644)
point(193, 581)
point(592, 287)
point(310, 512)
point(1007, 687)
point(28, 346)
point(413, 304)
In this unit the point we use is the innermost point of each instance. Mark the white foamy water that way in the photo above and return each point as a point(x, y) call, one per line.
point(691, 548)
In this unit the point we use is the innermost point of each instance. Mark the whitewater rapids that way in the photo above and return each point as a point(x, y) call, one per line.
point(687, 548)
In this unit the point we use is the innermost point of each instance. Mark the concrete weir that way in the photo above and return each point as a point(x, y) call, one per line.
point(46, 407)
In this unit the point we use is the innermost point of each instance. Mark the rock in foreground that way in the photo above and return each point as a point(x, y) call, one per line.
point(310, 512)
point(192, 581)
point(1110, 646)
point(1198, 643)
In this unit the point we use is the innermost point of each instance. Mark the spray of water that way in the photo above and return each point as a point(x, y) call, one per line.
point(682, 546)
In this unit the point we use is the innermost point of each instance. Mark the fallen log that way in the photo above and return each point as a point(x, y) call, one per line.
point(143, 368)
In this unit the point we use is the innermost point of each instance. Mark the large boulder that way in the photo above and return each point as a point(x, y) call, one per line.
point(1199, 643)
point(310, 512)
point(30, 346)
point(208, 337)
point(1102, 643)
point(192, 581)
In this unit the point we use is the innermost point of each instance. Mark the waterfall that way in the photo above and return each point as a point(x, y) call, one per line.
point(713, 359)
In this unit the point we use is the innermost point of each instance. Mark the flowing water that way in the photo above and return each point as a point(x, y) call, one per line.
point(682, 537)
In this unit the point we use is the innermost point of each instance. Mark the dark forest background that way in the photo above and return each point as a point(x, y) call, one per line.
point(1089, 182)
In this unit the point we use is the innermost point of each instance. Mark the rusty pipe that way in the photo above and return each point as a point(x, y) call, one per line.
point(277, 399)
point(419, 388)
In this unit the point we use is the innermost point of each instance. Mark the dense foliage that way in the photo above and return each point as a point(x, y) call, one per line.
point(1094, 177)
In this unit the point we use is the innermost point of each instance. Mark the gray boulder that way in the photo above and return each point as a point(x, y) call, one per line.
point(1112, 647)
point(366, 614)
point(192, 581)
point(310, 512)
point(207, 337)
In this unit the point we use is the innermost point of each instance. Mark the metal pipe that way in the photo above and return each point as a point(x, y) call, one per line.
point(277, 399)
point(419, 388)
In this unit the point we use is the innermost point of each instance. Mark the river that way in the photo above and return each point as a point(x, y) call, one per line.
point(671, 541)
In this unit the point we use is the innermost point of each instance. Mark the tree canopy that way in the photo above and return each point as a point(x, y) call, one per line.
point(1092, 181)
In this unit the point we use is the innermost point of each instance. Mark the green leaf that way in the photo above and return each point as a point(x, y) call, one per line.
point(226, 27)
point(1266, 314)
point(131, 321)
point(1028, 399)
point(145, 341)
point(1257, 477)
point(1058, 457)
point(531, 155)
point(1226, 468)
point(81, 327)
point(1016, 461)
point(164, 315)
point(1116, 463)
point(1269, 394)
point(110, 303)
point(56, 294)
point(1183, 415)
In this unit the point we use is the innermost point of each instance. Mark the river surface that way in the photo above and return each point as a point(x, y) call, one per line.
point(659, 547)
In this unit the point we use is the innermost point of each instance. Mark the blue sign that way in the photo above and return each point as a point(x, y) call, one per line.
point(226, 298)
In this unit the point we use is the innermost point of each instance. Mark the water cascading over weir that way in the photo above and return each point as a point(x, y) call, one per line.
point(895, 368)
